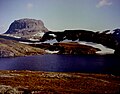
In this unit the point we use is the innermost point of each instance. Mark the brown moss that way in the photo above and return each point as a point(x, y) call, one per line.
point(51, 82)
point(75, 48)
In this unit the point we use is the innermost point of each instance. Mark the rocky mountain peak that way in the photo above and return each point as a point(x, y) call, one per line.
point(26, 27)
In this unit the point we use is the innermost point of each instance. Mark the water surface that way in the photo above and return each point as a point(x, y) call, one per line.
point(63, 63)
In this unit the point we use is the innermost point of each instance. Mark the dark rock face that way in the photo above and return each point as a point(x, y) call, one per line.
point(83, 35)
point(116, 34)
point(26, 27)
point(117, 50)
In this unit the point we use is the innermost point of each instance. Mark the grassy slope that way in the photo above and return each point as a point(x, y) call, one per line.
point(13, 48)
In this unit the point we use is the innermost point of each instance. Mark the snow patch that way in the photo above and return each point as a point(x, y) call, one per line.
point(51, 52)
point(104, 50)
point(34, 39)
point(25, 42)
point(51, 41)
point(111, 32)
point(52, 35)
point(39, 34)
point(66, 40)
point(11, 35)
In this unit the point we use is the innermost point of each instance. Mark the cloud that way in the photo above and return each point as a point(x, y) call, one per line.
point(30, 6)
point(103, 3)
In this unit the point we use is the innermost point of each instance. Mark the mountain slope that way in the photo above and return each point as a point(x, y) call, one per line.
point(10, 48)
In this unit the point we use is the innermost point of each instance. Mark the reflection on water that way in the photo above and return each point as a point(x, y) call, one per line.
point(63, 63)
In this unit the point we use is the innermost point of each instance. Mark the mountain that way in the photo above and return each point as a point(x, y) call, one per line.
point(34, 31)
point(10, 48)
point(107, 40)
point(27, 28)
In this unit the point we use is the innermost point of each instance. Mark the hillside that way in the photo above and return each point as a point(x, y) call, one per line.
point(10, 48)
point(68, 48)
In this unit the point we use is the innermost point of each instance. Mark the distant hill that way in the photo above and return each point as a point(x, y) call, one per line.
point(27, 28)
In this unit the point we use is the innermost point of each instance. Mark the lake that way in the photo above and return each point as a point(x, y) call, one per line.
point(63, 63)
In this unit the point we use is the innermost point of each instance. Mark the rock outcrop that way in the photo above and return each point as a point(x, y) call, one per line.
point(26, 28)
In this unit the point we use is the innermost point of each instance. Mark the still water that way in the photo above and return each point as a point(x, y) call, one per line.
point(63, 63)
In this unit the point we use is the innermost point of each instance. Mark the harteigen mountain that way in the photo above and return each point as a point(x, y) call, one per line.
point(27, 28)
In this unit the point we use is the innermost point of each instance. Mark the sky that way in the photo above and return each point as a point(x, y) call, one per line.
point(97, 15)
